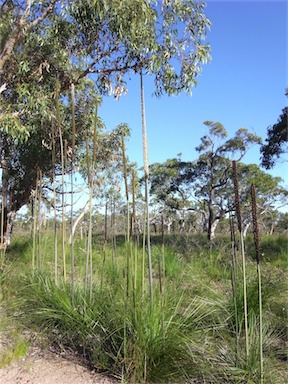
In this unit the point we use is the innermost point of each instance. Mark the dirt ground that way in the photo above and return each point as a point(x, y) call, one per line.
point(46, 367)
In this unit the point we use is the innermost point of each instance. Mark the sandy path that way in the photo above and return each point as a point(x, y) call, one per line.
point(40, 367)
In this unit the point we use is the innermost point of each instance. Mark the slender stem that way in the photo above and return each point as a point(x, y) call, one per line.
point(55, 210)
point(244, 293)
point(148, 241)
point(260, 323)
point(239, 219)
point(146, 173)
point(39, 222)
point(133, 221)
point(257, 252)
point(34, 224)
point(234, 281)
point(163, 248)
point(63, 224)
point(72, 193)
point(128, 214)
point(90, 249)
point(143, 253)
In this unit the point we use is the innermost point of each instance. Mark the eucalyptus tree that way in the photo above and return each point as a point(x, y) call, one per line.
point(276, 143)
point(282, 222)
point(203, 185)
point(271, 195)
point(63, 42)
point(171, 190)
point(213, 169)
point(68, 40)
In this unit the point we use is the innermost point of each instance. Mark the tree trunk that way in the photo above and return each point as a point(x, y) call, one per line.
point(246, 227)
point(169, 225)
point(21, 27)
point(213, 229)
point(272, 228)
point(211, 218)
point(9, 227)
point(77, 221)
point(9, 207)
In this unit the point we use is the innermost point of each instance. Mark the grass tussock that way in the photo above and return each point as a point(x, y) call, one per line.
point(131, 339)
point(188, 331)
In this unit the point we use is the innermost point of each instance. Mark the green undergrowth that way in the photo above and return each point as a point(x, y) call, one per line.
point(187, 332)
point(15, 347)
point(129, 337)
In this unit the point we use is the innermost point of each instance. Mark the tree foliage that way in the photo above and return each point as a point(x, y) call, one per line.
point(206, 184)
point(48, 47)
point(276, 141)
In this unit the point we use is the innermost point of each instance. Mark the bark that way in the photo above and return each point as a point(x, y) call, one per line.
point(211, 216)
point(11, 203)
point(182, 225)
point(169, 225)
point(246, 227)
point(213, 229)
point(154, 227)
point(272, 227)
point(9, 227)
point(77, 221)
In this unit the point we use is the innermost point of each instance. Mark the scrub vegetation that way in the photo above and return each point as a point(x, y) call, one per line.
point(193, 329)
point(174, 277)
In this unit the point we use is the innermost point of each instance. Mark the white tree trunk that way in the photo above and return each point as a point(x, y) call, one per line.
point(77, 221)
point(213, 228)
point(10, 221)
point(246, 227)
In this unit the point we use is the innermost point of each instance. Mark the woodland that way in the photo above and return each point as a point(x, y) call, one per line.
point(171, 272)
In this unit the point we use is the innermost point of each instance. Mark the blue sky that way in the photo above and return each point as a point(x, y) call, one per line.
point(243, 86)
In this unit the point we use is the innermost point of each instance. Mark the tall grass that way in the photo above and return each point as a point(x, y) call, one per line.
point(188, 333)
point(159, 345)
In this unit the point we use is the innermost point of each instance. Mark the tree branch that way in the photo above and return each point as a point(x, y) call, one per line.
point(21, 29)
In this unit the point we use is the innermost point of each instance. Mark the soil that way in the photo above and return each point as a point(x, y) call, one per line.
point(47, 367)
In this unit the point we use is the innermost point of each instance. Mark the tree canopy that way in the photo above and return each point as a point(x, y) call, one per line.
point(205, 185)
point(276, 142)
point(49, 47)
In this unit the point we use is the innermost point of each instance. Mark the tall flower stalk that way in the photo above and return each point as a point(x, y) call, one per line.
point(146, 176)
point(133, 222)
point(72, 191)
point(234, 278)
point(91, 166)
point(239, 220)
point(257, 254)
point(55, 209)
point(63, 224)
point(39, 222)
point(34, 216)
